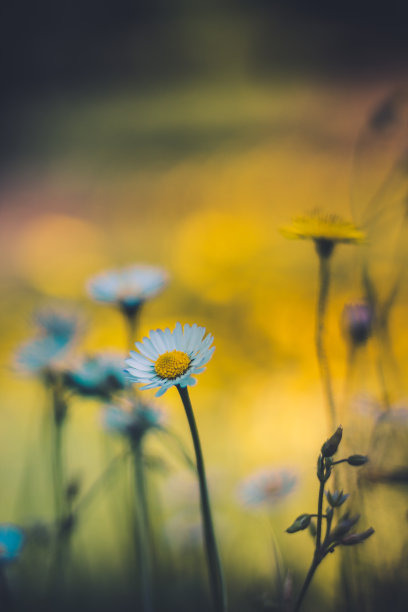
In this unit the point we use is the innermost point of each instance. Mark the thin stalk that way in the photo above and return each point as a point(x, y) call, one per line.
point(6, 600)
point(143, 529)
point(322, 301)
point(318, 555)
point(319, 517)
point(306, 584)
point(213, 559)
point(102, 480)
point(56, 457)
point(131, 317)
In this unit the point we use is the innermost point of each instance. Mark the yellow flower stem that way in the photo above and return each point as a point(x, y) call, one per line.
point(143, 531)
point(213, 559)
point(324, 285)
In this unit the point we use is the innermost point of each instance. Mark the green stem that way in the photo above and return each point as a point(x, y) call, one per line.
point(131, 317)
point(306, 584)
point(319, 516)
point(213, 559)
point(324, 285)
point(56, 459)
point(318, 554)
point(6, 600)
point(143, 529)
point(103, 479)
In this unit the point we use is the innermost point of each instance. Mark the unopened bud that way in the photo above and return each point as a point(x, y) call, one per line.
point(357, 322)
point(356, 538)
point(357, 460)
point(302, 522)
point(73, 488)
point(343, 527)
point(331, 445)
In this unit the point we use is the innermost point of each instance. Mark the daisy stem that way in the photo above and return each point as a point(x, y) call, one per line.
point(143, 528)
point(131, 317)
point(324, 285)
point(213, 559)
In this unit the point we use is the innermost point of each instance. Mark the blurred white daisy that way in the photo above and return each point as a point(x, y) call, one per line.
point(267, 487)
point(132, 420)
point(57, 328)
point(170, 358)
point(98, 375)
point(127, 287)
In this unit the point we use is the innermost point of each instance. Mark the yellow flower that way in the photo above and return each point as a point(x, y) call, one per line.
point(326, 230)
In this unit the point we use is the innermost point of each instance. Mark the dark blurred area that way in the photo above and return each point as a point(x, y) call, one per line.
point(53, 48)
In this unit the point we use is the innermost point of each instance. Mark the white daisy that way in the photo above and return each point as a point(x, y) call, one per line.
point(266, 487)
point(127, 287)
point(168, 358)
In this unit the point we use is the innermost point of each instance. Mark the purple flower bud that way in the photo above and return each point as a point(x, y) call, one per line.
point(356, 538)
point(357, 322)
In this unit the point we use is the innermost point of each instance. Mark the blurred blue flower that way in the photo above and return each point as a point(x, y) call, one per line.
point(11, 542)
point(170, 358)
point(57, 329)
point(97, 375)
point(132, 420)
point(127, 287)
point(39, 355)
point(59, 322)
point(266, 487)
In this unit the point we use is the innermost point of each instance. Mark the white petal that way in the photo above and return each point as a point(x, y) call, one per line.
point(178, 335)
point(142, 362)
point(146, 348)
point(158, 341)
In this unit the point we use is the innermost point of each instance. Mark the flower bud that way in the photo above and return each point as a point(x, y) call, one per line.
point(356, 538)
point(357, 322)
point(73, 488)
point(343, 527)
point(357, 460)
point(336, 499)
point(302, 522)
point(331, 445)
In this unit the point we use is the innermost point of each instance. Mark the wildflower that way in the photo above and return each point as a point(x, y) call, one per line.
point(326, 230)
point(57, 328)
point(133, 421)
point(267, 487)
point(11, 542)
point(170, 358)
point(58, 322)
point(98, 375)
point(337, 498)
point(357, 322)
point(128, 287)
point(40, 355)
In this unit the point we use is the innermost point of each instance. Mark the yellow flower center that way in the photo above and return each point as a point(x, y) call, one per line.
point(172, 364)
